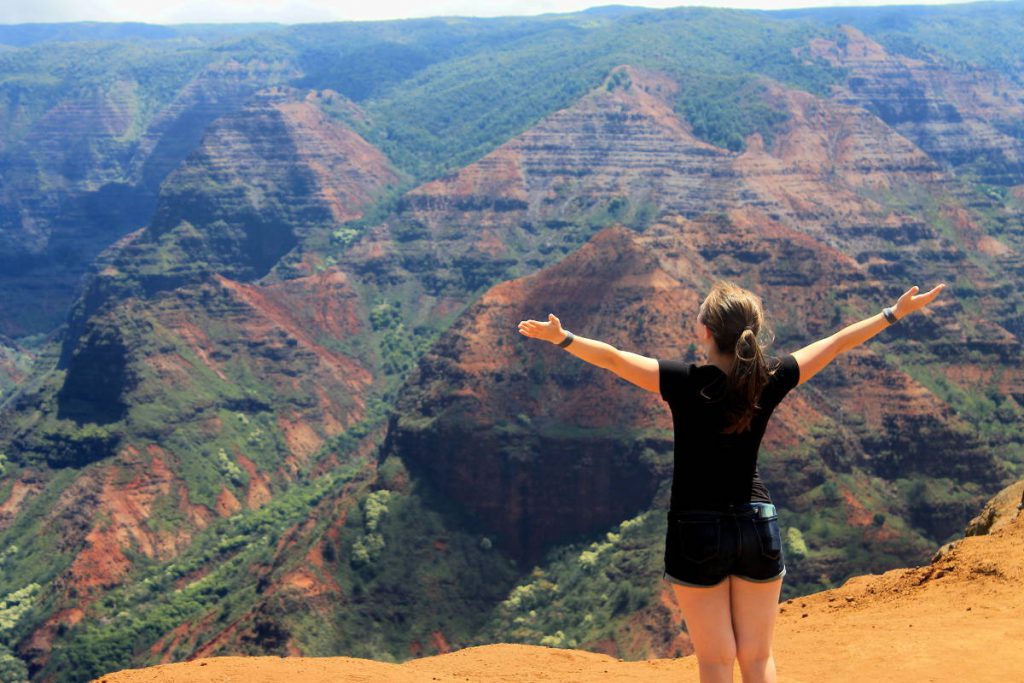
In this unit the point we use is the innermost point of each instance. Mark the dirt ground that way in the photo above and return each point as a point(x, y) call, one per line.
point(955, 620)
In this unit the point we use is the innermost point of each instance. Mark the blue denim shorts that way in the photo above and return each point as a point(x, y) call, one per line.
point(703, 547)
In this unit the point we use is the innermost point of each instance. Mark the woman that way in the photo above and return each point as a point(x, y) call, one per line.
point(723, 548)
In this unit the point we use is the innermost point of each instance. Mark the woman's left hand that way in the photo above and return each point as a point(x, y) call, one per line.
point(911, 301)
point(550, 331)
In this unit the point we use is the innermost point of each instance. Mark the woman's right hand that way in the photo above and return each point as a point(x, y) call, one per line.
point(911, 301)
point(550, 331)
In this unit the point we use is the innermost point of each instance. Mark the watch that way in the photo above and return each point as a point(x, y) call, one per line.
point(568, 339)
point(889, 314)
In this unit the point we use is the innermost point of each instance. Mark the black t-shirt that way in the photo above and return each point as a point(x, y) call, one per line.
point(712, 469)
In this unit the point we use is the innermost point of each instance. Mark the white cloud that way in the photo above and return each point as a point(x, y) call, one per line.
point(300, 11)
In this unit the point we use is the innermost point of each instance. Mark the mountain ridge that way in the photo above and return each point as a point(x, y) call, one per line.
point(201, 471)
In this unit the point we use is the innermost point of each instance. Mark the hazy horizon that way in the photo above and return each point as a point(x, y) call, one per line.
point(316, 11)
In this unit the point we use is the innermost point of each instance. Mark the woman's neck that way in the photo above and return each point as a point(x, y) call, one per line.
point(719, 360)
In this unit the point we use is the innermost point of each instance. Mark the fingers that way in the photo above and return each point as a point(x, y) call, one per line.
point(530, 328)
point(915, 301)
point(935, 292)
point(931, 294)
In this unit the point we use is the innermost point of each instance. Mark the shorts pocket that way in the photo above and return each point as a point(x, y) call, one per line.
point(698, 539)
point(770, 537)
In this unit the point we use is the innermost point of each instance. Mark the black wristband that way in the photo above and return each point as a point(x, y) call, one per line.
point(568, 339)
point(889, 315)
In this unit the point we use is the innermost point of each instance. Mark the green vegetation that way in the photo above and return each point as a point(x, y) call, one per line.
point(14, 605)
point(214, 576)
point(480, 100)
point(14, 362)
point(994, 417)
point(725, 109)
point(410, 564)
point(368, 546)
point(32, 549)
point(436, 94)
point(399, 346)
point(69, 444)
point(585, 593)
point(795, 545)
point(982, 33)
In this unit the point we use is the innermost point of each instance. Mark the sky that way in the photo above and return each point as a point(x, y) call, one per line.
point(302, 11)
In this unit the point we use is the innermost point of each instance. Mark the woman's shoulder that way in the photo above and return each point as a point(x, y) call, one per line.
point(674, 377)
point(784, 363)
point(783, 373)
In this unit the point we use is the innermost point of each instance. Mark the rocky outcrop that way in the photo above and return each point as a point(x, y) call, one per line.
point(999, 512)
point(264, 177)
point(619, 152)
point(262, 180)
point(834, 171)
point(959, 116)
point(87, 171)
point(538, 448)
point(97, 381)
point(192, 336)
point(528, 443)
point(209, 340)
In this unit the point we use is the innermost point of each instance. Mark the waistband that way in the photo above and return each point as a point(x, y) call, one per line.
point(755, 509)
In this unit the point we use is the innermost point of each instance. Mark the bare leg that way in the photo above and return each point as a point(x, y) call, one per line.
point(709, 623)
point(754, 608)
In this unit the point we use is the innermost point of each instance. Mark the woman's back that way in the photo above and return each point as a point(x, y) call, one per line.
point(713, 469)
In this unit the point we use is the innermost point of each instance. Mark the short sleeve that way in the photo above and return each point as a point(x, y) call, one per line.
point(672, 376)
point(786, 376)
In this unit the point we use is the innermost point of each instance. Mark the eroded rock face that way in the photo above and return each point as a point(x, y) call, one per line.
point(999, 512)
point(834, 171)
point(218, 90)
point(101, 157)
point(957, 116)
point(810, 221)
point(536, 446)
point(261, 181)
point(202, 340)
point(620, 149)
point(263, 178)
point(527, 440)
point(165, 348)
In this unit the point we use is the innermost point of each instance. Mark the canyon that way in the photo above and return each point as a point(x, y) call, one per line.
point(263, 391)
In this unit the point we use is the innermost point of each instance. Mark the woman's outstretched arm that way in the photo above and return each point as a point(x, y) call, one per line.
point(814, 357)
point(632, 367)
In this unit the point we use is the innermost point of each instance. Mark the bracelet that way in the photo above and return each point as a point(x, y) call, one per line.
point(889, 314)
point(568, 339)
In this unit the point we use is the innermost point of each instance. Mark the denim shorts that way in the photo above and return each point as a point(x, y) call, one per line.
point(703, 547)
